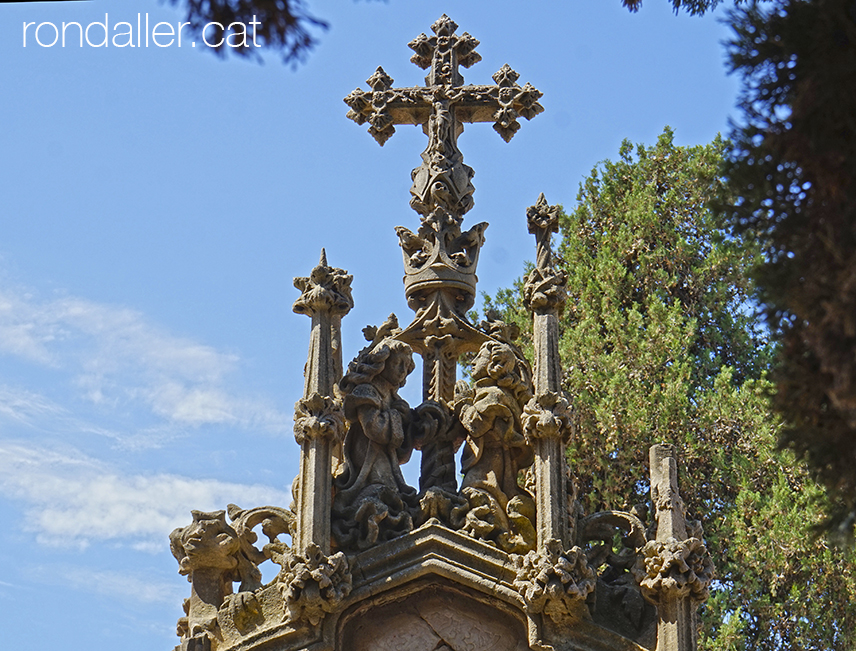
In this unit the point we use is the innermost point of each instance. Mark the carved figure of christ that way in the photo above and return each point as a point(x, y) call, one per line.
point(441, 107)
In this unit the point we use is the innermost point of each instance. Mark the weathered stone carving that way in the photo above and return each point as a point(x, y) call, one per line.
point(674, 568)
point(318, 420)
point(440, 260)
point(440, 437)
point(372, 501)
point(313, 584)
point(326, 289)
point(318, 416)
point(547, 415)
point(210, 553)
point(274, 521)
point(554, 580)
point(441, 107)
point(496, 451)
point(440, 283)
point(356, 574)
point(544, 288)
point(618, 604)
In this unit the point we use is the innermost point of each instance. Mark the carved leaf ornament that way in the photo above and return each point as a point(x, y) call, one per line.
point(553, 574)
point(672, 569)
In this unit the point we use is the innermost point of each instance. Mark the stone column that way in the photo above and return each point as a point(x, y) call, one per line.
point(547, 416)
point(676, 628)
point(318, 419)
point(674, 570)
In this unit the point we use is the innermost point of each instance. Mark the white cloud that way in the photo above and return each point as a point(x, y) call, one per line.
point(116, 359)
point(25, 329)
point(42, 414)
point(124, 585)
point(73, 499)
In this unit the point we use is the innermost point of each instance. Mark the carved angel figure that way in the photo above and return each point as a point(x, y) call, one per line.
point(372, 502)
point(496, 451)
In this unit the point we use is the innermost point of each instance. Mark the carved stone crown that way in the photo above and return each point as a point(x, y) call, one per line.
point(440, 255)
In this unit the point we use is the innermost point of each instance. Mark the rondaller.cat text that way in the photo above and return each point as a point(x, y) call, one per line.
point(161, 34)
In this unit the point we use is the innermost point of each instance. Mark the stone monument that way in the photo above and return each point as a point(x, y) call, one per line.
point(503, 562)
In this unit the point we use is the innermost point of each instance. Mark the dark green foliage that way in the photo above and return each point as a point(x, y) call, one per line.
point(692, 7)
point(793, 168)
point(660, 343)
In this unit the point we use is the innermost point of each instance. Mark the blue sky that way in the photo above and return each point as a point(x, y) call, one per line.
point(156, 204)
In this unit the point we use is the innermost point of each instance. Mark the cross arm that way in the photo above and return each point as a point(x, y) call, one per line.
point(383, 106)
point(501, 104)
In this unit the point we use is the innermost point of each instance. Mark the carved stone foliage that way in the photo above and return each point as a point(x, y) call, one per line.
point(555, 580)
point(313, 584)
point(326, 289)
point(501, 511)
point(372, 502)
point(544, 288)
point(440, 251)
point(547, 415)
point(274, 521)
point(673, 569)
point(318, 416)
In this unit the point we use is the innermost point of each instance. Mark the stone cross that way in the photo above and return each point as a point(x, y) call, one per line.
point(441, 107)
point(440, 259)
point(318, 420)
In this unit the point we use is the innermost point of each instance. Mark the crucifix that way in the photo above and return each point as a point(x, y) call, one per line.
point(441, 107)
point(440, 259)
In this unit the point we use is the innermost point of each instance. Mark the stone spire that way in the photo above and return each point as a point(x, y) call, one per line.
point(674, 570)
point(547, 423)
point(318, 418)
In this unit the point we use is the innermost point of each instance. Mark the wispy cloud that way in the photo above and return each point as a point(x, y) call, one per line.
point(74, 499)
point(117, 359)
point(128, 586)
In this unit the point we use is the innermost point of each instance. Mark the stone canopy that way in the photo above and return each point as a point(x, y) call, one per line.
point(503, 560)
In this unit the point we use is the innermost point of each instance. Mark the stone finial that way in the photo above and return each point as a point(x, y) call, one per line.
point(543, 220)
point(326, 289)
point(318, 419)
point(544, 286)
